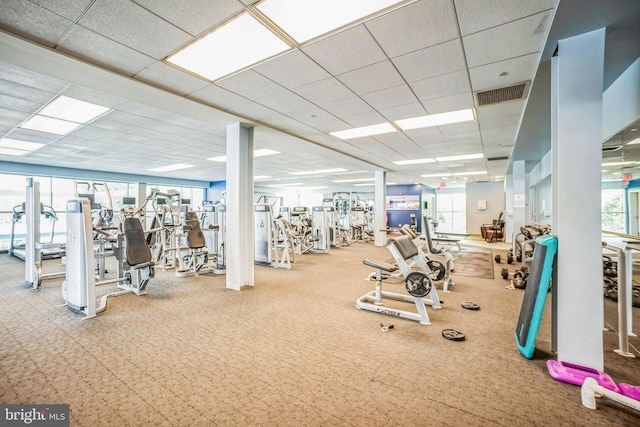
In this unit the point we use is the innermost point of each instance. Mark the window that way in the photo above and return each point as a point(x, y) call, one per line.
point(613, 210)
point(452, 211)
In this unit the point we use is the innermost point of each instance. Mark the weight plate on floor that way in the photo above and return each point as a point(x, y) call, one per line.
point(470, 305)
point(453, 335)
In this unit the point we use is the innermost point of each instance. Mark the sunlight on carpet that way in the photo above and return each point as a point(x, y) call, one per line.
point(475, 263)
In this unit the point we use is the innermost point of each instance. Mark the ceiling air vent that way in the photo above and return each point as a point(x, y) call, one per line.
point(493, 159)
point(503, 94)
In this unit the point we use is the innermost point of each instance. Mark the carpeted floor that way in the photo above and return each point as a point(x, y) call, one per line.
point(291, 351)
point(475, 262)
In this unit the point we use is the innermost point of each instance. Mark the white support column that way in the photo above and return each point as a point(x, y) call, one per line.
point(142, 194)
point(508, 220)
point(380, 218)
point(239, 242)
point(32, 222)
point(577, 74)
point(519, 196)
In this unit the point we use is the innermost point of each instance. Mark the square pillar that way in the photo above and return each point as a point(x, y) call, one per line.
point(577, 79)
point(240, 233)
point(380, 218)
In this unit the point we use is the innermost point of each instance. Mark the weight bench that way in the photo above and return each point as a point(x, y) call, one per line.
point(443, 269)
point(417, 283)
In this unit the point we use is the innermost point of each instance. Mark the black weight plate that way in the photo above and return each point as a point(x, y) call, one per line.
point(437, 266)
point(497, 258)
point(504, 273)
point(418, 284)
point(452, 335)
point(470, 305)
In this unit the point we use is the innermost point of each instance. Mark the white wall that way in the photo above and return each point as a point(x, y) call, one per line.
point(493, 193)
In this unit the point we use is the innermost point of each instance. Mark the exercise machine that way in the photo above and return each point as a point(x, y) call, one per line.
point(272, 239)
point(79, 288)
point(418, 283)
point(193, 258)
point(320, 229)
point(35, 251)
point(441, 268)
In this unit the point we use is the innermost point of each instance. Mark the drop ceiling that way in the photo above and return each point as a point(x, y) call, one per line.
point(417, 58)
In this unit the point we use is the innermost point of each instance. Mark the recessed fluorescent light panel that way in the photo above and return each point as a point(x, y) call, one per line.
point(461, 157)
point(360, 132)
point(173, 167)
point(371, 184)
point(264, 152)
point(63, 115)
point(413, 161)
point(258, 177)
point(14, 147)
point(436, 119)
point(236, 45)
point(49, 125)
point(634, 142)
point(305, 20)
point(72, 110)
point(618, 163)
point(318, 172)
point(442, 175)
point(354, 180)
point(257, 153)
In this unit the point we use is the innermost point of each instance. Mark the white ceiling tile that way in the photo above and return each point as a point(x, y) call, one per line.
point(86, 44)
point(120, 20)
point(324, 91)
point(250, 85)
point(292, 70)
point(399, 95)
point(475, 16)
point(193, 16)
point(285, 102)
point(33, 21)
point(252, 110)
point(348, 107)
point(30, 78)
point(346, 51)
point(500, 109)
point(171, 79)
point(449, 103)
point(517, 70)
point(217, 97)
point(415, 27)
point(405, 111)
point(511, 40)
point(441, 86)
point(442, 59)
point(372, 78)
point(363, 119)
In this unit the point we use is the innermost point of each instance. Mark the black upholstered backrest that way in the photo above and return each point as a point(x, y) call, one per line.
point(427, 233)
point(137, 251)
point(405, 246)
point(195, 237)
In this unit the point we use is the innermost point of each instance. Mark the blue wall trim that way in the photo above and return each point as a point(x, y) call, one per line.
point(72, 173)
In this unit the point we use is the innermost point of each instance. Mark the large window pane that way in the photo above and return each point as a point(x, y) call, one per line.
point(613, 210)
point(452, 212)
